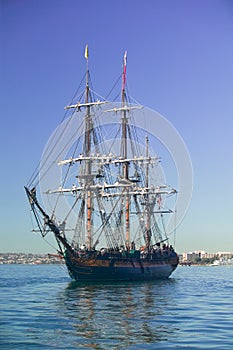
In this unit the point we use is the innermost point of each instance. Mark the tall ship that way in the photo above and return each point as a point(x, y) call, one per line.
point(97, 193)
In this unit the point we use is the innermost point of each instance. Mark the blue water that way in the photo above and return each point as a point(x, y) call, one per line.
point(40, 308)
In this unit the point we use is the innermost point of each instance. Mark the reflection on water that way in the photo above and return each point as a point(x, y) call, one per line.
point(105, 315)
point(41, 309)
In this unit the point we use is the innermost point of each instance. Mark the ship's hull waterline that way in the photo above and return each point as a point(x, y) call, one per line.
point(119, 269)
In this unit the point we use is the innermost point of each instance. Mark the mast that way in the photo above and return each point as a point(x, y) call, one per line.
point(148, 219)
point(87, 144)
point(147, 165)
point(124, 152)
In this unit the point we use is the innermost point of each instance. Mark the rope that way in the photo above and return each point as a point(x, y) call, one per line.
point(36, 171)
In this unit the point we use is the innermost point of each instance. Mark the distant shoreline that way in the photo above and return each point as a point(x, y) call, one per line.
point(42, 259)
point(30, 259)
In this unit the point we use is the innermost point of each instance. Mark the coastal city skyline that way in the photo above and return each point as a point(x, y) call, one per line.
point(185, 258)
point(179, 63)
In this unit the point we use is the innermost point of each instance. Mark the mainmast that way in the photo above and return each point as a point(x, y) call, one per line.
point(124, 151)
point(87, 150)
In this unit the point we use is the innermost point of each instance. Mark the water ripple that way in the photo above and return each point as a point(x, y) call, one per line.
point(42, 308)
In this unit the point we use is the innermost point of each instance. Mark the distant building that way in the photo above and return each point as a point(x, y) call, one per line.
point(226, 255)
point(199, 255)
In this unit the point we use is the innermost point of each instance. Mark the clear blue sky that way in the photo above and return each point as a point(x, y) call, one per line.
point(180, 63)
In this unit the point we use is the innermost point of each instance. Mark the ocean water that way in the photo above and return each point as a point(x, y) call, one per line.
point(41, 308)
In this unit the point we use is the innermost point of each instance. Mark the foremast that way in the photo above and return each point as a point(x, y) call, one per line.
point(88, 180)
point(124, 152)
point(87, 150)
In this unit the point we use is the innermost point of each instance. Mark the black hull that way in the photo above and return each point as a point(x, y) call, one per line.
point(91, 270)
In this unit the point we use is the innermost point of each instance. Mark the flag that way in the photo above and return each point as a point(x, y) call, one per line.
point(124, 71)
point(125, 59)
point(86, 52)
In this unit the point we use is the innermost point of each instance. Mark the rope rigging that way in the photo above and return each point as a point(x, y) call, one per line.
point(112, 223)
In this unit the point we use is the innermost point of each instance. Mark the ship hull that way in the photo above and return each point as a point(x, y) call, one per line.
point(119, 269)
